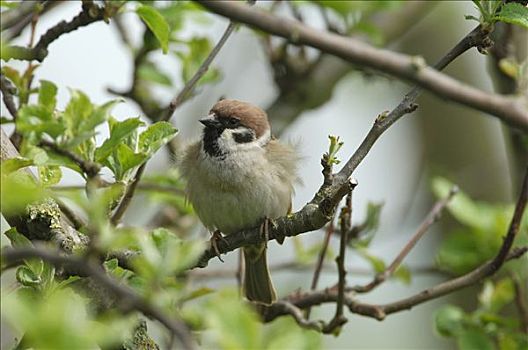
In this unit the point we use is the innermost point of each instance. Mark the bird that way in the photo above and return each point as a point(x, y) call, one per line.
point(237, 177)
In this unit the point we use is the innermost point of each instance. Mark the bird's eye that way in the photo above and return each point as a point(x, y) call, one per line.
point(232, 122)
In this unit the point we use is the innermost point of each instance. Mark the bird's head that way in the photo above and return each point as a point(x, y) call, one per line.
point(234, 126)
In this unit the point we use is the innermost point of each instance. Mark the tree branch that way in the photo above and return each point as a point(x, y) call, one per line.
point(48, 225)
point(379, 312)
point(90, 168)
point(345, 219)
point(190, 85)
point(511, 110)
point(299, 94)
point(126, 296)
point(89, 14)
point(297, 314)
point(429, 220)
point(8, 92)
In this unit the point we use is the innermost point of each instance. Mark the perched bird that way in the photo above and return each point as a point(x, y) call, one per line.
point(238, 176)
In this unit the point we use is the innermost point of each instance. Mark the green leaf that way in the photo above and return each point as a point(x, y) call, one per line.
point(495, 296)
point(377, 264)
point(99, 115)
point(285, 333)
point(449, 320)
point(156, 136)
point(157, 25)
point(197, 293)
point(474, 338)
point(463, 250)
point(119, 131)
point(10, 4)
point(150, 72)
point(403, 274)
point(514, 13)
point(462, 207)
point(17, 191)
point(26, 277)
point(63, 320)
point(38, 119)
point(67, 282)
point(126, 160)
point(78, 110)
point(197, 50)
point(49, 175)
point(17, 240)
point(47, 95)
point(248, 334)
point(13, 164)
point(6, 120)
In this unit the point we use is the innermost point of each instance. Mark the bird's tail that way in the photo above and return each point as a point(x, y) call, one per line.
point(258, 286)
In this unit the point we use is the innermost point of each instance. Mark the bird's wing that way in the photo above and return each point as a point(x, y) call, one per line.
point(286, 158)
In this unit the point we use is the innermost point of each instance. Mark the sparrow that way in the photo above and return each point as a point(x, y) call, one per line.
point(238, 176)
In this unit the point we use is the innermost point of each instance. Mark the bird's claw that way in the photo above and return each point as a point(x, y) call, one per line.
point(215, 237)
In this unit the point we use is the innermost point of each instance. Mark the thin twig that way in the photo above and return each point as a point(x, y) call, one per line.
point(510, 109)
point(515, 223)
point(430, 219)
point(89, 14)
point(379, 312)
point(190, 85)
point(297, 314)
point(345, 219)
point(475, 38)
point(8, 92)
point(127, 197)
point(127, 296)
point(90, 168)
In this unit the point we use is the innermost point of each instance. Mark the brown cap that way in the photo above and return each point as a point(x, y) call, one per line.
point(249, 115)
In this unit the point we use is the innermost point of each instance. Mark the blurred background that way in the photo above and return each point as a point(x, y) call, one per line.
point(439, 139)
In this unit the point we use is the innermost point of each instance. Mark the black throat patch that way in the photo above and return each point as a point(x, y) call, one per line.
point(210, 141)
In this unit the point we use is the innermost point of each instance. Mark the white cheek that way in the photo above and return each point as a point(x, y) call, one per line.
point(226, 141)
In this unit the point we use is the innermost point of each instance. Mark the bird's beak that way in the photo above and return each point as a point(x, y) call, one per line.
point(210, 121)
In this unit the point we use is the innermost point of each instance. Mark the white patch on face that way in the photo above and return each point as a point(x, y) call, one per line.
point(227, 143)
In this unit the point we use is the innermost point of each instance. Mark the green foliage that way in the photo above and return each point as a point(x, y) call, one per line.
point(18, 188)
point(492, 11)
point(484, 327)
point(156, 23)
point(168, 190)
point(250, 333)
point(191, 57)
point(363, 233)
point(330, 157)
point(356, 15)
point(307, 255)
point(61, 320)
point(148, 71)
point(74, 129)
point(479, 236)
point(9, 4)
point(513, 13)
